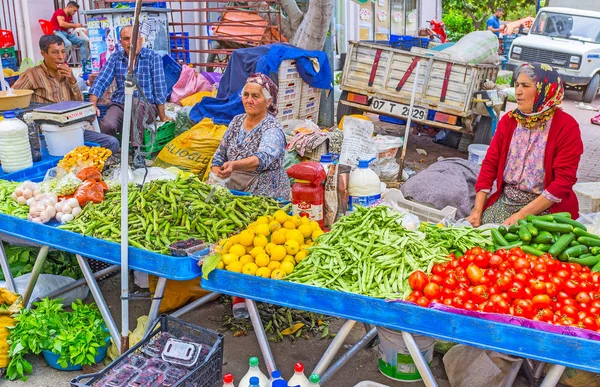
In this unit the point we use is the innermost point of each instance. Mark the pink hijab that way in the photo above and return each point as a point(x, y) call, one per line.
point(270, 86)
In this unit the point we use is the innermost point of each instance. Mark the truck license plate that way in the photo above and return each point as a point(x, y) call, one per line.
point(398, 109)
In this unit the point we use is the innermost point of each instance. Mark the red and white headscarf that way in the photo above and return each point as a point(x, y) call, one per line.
point(269, 86)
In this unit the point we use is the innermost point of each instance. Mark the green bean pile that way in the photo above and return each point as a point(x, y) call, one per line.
point(7, 205)
point(164, 212)
point(457, 240)
point(368, 252)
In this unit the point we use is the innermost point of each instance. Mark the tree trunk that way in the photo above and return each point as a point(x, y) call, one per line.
point(311, 33)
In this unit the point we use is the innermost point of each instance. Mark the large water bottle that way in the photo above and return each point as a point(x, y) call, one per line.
point(254, 371)
point(228, 380)
point(364, 186)
point(239, 308)
point(15, 150)
point(314, 380)
point(275, 375)
point(254, 382)
point(299, 379)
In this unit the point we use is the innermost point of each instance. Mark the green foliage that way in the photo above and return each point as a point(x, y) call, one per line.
point(74, 336)
point(457, 25)
point(480, 10)
point(22, 258)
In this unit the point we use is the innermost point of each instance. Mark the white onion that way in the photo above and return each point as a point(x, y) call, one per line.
point(67, 209)
point(21, 200)
point(51, 212)
point(29, 201)
point(18, 191)
point(59, 216)
point(67, 218)
point(76, 211)
point(27, 193)
point(36, 192)
point(73, 203)
point(38, 197)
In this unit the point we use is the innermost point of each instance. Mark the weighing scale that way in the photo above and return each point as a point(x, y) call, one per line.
point(66, 113)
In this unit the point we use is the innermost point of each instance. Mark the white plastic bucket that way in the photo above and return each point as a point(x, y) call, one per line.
point(395, 361)
point(477, 152)
point(60, 140)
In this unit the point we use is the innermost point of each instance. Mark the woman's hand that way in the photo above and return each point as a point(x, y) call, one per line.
point(514, 218)
point(226, 170)
point(474, 218)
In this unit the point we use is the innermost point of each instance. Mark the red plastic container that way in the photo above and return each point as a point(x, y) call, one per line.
point(6, 39)
point(308, 194)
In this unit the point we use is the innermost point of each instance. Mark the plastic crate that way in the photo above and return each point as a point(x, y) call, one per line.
point(172, 71)
point(588, 195)
point(207, 374)
point(404, 42)
point(287, 111)
point(6, 39)
point(289, 91)
point(424, 42)
point(287, 71)
point(422, 211)
point(164, 134)
point(180, 40)
point(309, 108)
point(181, 57)
point(392, 120)
point(10, 63)
point(122, 4)
point(11, 80)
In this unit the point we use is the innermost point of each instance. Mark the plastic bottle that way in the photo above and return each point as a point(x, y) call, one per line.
point(279, 383)
point(228, 380)
point(364, 186)
point(326, 160)
point(254, 371)
point(15, 150)
point(34, 137)
point(254, 382)
point(239, 308)
point(299, 379)
point(314, 380)
point(275, 375)
point(308, 193)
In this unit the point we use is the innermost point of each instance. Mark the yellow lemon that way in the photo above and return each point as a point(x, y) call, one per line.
point(295, 235)
point(280, 216)
point(269, 247)
point(289, 258)
point(238, 250)
point(235, 239)
point(222, 242)
point(277, 274)
point(306, 230)
point(262, 260)
point(236, 266)
point(305, 220)
point(262, 220)
point(315, 225)
point(229, 258)
point(250, 268)
point(301, 255)
point(278, 252)
point(260, 240)
point(274, 226)
point(255, 251)
point(287, 267)
point(289, 225)
point(316, 234)
point(292, 247)
point(264, 272)
point(220, 265)
point(278, 237)
point(226, 246)
point(270, 218)
point(274, 265)
point(263, 229)
point(246, 259)
point(247, 238)
point(297, 220)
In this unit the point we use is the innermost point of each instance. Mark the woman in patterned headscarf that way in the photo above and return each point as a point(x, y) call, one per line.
point(251, 152)
point(534, 155)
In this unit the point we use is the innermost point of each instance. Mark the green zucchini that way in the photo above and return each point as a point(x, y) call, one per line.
point(498, 238)
point(596, 267)
point(574, 223)
point(544, 246)
point(502, 230)
point(582, 233)
point(532, 230)
point(513, 245)
point(547, 218)
point(590, 260)
point(553, 227)
point(524, 233)
point(561, 244)
point(573, 252)
point(543, 237)
point(563, 214)
point(590, 242)
point(574, 243)
point(532, 250)
point(595, 250)
point(509, 236)
point(514, 229)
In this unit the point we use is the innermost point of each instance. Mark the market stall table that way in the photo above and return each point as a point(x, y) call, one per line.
point(561, 350)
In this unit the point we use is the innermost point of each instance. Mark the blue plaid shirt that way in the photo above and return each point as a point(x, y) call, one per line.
point(148, 70)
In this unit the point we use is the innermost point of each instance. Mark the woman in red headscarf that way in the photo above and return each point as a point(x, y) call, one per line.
point(252, 149)
point(534, 155)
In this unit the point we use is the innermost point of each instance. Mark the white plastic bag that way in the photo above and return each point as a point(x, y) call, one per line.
point(358, 141)
point(216, 180)
point(387, 149)
point(476, 48)
point(154, 173)
point(410, 221)
point(48, 283)
point(591, 222)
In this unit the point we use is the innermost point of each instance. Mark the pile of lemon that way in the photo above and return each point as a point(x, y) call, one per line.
point(270, 247)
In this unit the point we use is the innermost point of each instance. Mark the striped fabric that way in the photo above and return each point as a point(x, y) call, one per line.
point(46, 88)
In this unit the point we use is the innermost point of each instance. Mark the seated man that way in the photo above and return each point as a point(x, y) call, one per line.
point(151, 79)
point(53, 81)
point(62, 21)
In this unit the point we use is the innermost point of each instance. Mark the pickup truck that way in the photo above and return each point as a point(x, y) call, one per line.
point(567, 39)
point(379, 79)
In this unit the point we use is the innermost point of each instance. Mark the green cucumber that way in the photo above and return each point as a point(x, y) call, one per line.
point(590, 242)
point(524, 233)
point(509, 236)
point(553, 227)
point(547, 218)
point(596, 267)
point(563, 214)
point(561, 244)
point(573, 252)
point(595, 250)
point(544, 237)
point(590, 260)
point(532, 250)
point(532, 230)
point(512, 245)
point(514, 229)
point(544, 246)
point(581, 233)
point(498, 238)
point(502, 230)
point(574, 223)
point(574, 243)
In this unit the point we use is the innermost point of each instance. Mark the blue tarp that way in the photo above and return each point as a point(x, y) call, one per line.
point(264, 59)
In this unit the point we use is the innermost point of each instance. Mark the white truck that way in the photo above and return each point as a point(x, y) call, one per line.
point(567, 39)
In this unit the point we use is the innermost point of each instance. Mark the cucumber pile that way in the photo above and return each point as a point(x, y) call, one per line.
point(556, 234)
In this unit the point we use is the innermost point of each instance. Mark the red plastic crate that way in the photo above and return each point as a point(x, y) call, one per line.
point(6, 39)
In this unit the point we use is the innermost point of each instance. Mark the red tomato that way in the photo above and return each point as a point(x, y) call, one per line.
point(502, 253)
point(488, 307)
point(517, 251)
point(561, 296)
point(476, 250)
point(583, 297)
point(458, 302)
point(569, 301)
point(481, 260)
point(412, 299)
point(545, 314)
point(584, 286)
point(569, 311)
point(571, 287)
point(464, 262)
point(594, 311)
point(474, 274)
point(583, 307)
point(538, 287)
point(590, 323)
point(417, 293)
point(450, 282)
point(522, 263)
point(460, 272)
point(516, 290)
point(447, 293)
point(470, 305)
point(438, 269)
point(540, 301)
point(504, 282)
point(432, 290)
point(448, 301)
point(595, 277)
point(492, 290)
point(558, 282)
point(540, 268)
point(551, 265)
point(485, 280)
point(436, 279)
point(491, 273)
point(575, 267)
point(423, 301)
point(523, 308)
point(563, 274)
point(452, 265)
point(550, 289)
point(504, 266)
point(417, 280)
point(495, 261)
point(480, 294)
point(522, 278)
point(502, 306)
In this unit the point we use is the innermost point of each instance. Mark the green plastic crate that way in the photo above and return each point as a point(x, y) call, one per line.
point(8, 52)
point(164, 134)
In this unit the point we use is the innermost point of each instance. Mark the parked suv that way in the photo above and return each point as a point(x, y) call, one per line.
point(567, 39)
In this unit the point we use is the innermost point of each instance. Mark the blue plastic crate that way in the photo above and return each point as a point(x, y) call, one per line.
point(179, 40)
point(172, 71)
point(181, 57)
point(424, 42)
point(392, 120)
point(123, 4)
point(404, 42)
point(10, 63)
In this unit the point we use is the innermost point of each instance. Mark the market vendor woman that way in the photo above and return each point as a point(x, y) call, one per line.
point(252, 149)
point(534, 155)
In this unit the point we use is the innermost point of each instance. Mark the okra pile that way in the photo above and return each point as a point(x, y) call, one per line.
point(556, 234)
point(164, 212)
point(368, 252)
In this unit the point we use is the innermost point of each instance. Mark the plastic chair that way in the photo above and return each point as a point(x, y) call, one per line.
point(73, 53)
point(47, 28)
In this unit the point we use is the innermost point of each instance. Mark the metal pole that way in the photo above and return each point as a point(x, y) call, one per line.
point(326, 110)
point(259, 331)
point(199, 302)
point(10, 281)
point(102, 307)
point(334, 347)
point(409, 120)
point(553, 376)
point(25, 14)
point(419, 360)
point(362, 343)
point(159, 292)
point(35, 273)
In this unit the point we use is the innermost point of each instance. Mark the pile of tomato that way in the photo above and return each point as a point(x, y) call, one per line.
point(515, 283)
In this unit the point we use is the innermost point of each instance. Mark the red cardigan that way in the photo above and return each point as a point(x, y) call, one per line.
point(563, 152)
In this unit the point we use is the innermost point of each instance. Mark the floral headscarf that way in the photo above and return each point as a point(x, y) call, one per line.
point(550, 92)
point(269, 86)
